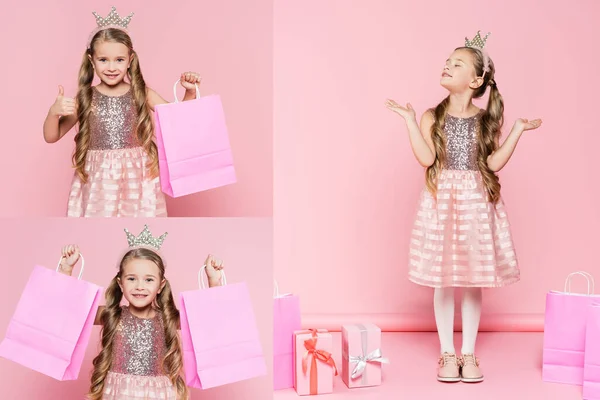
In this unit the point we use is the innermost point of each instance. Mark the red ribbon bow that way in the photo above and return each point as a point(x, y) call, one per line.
point(321, 355)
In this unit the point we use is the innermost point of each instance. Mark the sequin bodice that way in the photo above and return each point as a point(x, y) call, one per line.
point(112, 121)
point(139, 345)
point(461, 142)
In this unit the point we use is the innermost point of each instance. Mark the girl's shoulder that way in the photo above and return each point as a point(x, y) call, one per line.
point(428, 115)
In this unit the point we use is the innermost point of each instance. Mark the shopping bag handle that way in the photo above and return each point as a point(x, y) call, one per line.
point(82, 265)
point(175, 91)
point(201, 281)
point(588, 277)
point(276, 294)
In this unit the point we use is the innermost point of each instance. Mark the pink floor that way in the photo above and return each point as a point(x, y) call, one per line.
point(511, 363)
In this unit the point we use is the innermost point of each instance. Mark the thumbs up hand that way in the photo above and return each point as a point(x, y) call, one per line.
point(63, 105)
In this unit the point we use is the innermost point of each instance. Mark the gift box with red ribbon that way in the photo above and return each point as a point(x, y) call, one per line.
point(314, 367)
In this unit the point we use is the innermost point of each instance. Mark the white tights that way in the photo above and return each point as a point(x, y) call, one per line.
point(443, 306)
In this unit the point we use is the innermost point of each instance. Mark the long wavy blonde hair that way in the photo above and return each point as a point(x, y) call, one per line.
point(144, 127)
point(111, 315)
point(491, 124)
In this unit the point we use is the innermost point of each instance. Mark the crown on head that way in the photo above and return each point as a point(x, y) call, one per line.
point(477, 41)
point(145, 239)
point(112, 19)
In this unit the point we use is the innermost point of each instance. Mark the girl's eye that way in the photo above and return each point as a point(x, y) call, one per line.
point(150, 280)
point(130, 279)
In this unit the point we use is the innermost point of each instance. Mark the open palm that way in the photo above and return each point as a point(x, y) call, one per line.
point(405, 112)
point(526, 125)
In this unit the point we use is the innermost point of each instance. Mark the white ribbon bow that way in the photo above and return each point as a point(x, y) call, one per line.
point(361, 362)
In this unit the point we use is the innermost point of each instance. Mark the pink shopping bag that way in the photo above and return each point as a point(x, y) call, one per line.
point(591, 369)
point(50, 329)
point(564, 333)
point(286, 320)
point(193, 145)
point(219, 336)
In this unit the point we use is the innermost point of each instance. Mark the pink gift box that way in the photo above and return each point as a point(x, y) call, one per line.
point(314, 368)
point(361, 355)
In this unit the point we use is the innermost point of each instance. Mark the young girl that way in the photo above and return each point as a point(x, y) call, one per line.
point(115, 158)
point(461, 236)
point(141, 356)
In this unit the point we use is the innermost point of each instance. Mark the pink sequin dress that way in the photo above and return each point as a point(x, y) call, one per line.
point(119, 183)
point(461, 239)
point(138, 352)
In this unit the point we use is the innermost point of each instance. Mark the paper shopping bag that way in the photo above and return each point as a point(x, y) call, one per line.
point(591, 368)
point(220, 339)
point(286, 320)
point(193, 145)
point(564, 333)
point(50, 329)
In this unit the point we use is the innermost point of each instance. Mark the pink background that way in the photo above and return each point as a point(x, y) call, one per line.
point(346, 182)
point(245, 245)
point(228, 42)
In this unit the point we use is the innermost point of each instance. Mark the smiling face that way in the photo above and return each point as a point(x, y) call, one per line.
point(111, 61)
point(141, 282)
point(459, 73)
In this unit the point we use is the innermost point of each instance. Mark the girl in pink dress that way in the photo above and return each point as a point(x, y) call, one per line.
point(461, 236)
point(115, 158)
point(141, 356)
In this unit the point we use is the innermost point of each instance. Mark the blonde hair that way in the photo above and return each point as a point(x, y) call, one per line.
point(111, 315)
point(491, 124)
point(144, 127)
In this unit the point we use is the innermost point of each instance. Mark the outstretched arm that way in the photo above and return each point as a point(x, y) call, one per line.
point(498, 159)
point(420, 137)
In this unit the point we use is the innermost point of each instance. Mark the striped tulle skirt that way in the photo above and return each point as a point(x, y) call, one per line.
point(461, 239)
point(119, 185)
point(134, 387)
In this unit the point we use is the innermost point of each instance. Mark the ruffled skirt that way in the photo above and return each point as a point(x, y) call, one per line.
point(461, 240)
point(118, 186)
point(134, 387)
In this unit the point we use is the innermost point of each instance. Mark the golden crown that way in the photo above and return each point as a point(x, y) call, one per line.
point(145, 239)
